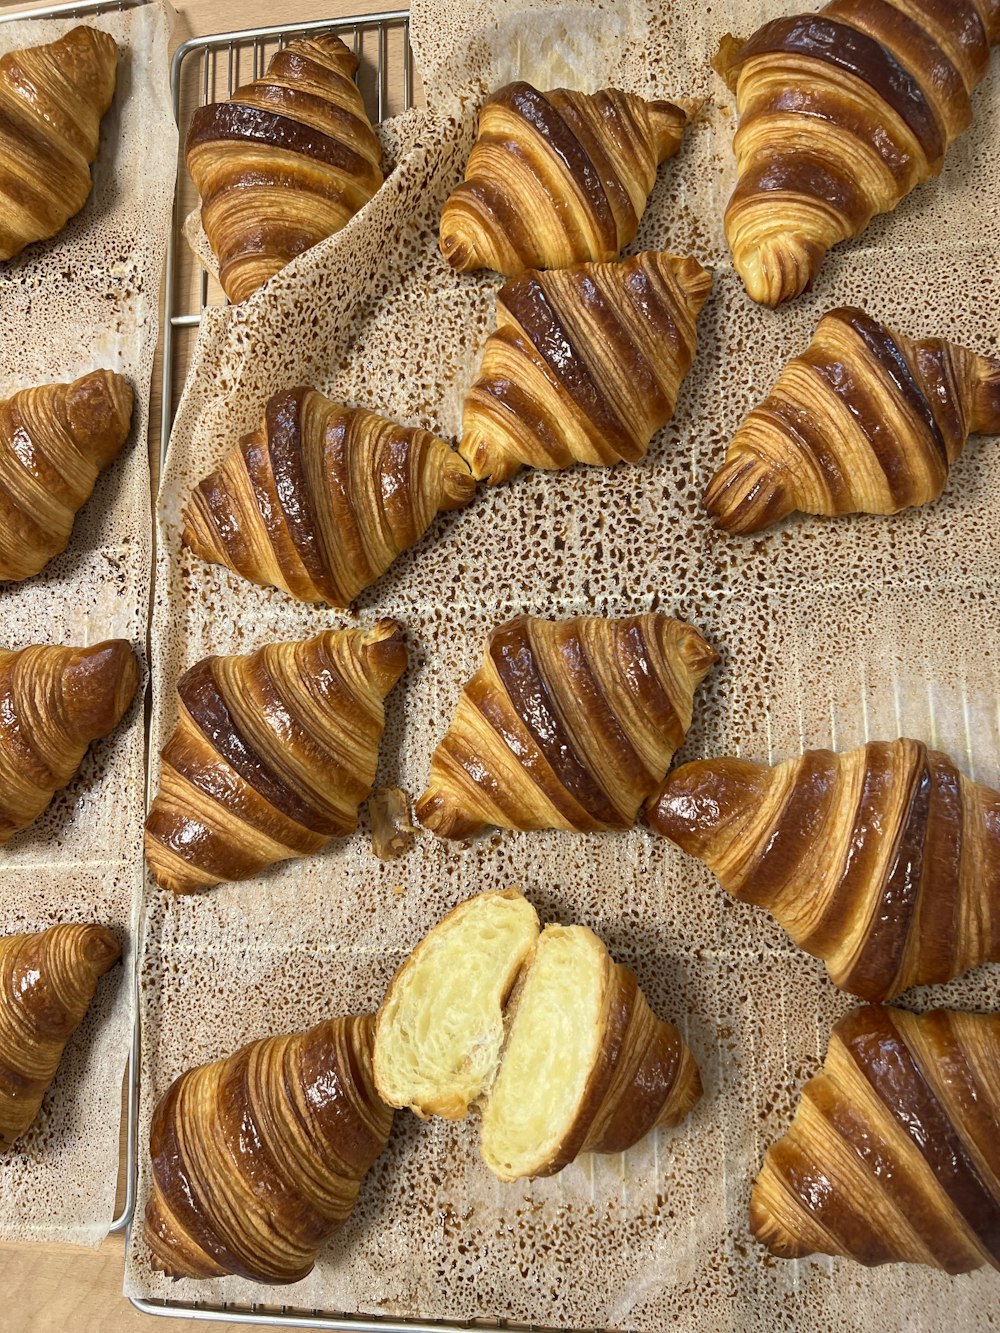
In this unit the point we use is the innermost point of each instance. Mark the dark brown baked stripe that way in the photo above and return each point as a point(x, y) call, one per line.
point(804, 173)
point(876, 964)
point(942, 1031)
point(203, 700)
point(248, 124)
point(514, 658)
point(935, 928)
point(298, 104)
point(514, 402)
point(881, 1053)
point(634, 660)
point(793, 827)
point(838, 44)
point(609, 108)
point(801, 428)
point(537, 112)
point(297, 65)
point(213, 498)
point(284, 429)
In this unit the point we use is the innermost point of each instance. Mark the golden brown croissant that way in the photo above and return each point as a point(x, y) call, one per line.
point(842, 113)
point(556, 178)
point(585, 365)
point(893, 1154)
point(864, 421)
point(53, 702)
point(584, 1066)
point(52, 99)
point(286, 162)
point(258, 1159)
point(567, 724)
point(47, 982)
point(322, 498)
point(54, 440)
point(883, 861)
point(587, 1067)
point(271, 756)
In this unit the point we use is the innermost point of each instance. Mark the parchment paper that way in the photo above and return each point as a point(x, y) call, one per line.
point(89, 298)
point(830, 632)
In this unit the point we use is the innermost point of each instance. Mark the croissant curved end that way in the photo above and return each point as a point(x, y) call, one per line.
point(100, 948)
point(384, 647)
point(744, 496)
point(433, 811)
point(697, 653)
point(985, 417)
point(725, 62)
point(668, 123)
point(767, 1231)
point(458, 484)
point(99, 410)
point(99, 685)
point(777, 268)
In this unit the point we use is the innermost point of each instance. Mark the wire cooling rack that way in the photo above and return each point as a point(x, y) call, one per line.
point(93, 9)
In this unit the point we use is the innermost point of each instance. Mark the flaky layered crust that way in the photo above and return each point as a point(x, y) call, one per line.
point(258, 1159)
point(322, 498)
point(52, 99)
point(556, 178)
point(54, 702)
point(842, 113)
point(893, 1155)
point(864, 421)
point(883, 861)
point(47, 982)
point(585, 364)
point(285, 162)
point(54, 441)
point(271, 756)
point(567, 724)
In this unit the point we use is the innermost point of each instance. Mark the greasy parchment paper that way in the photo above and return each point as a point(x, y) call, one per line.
point(88, 298)
point(830, 632)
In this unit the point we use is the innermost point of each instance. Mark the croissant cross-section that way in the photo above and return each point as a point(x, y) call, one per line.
point(842, 113)
point(556, 178)
point(883, 861)
point(567, 724)
point(893, 1155)
point(322, 498)
point(284, 163)
point(258, 1158)
point(52, 99)
point(272, 754)
point(54, 702)
point(585, 365)
point(864, 421)
point(47, 982)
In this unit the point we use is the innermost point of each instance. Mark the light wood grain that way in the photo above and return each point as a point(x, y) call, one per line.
point(53, 1288)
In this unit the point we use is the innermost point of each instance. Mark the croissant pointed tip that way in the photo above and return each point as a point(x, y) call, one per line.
point(384, 648)
point(745, 496)
point(98, 686)
point(101, 948)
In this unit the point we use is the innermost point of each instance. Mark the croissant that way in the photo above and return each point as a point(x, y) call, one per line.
point(47, 982)
point(883, 861)
point(892, 1156)
point(585, 365)
point(864, 421)
point(53, 702)
point(322, 498)
point(52, 99)
point(842, 113)
point(585, 1066)
point(556, 178)
point(271, 756)
point(258, 1159)
point(54, 440)
point(567, 724)
point(286, 162)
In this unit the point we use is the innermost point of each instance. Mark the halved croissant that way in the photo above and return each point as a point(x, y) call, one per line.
point(440, 1027)
point(556, 178)
point(52, 99)
point(258, 1158)
point(893, 1155)
point(322, 498)
point(585, 364)
point(587, 1067)
point(54, 441)
point(53, 702)
point(865, 420)
point(271, 756)
point(47, 982)
point(842, 113)
point(567, 724)
point(286, 162)
point(883, 861)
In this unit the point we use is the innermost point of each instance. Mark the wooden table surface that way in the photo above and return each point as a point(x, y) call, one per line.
point(52, 1288)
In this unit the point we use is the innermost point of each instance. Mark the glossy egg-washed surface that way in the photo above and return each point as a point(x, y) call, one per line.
point(83, 301)
point(842, 113)
point(830, 632)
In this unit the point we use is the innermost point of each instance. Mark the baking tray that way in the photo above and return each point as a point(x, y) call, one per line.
point(121, 1222)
